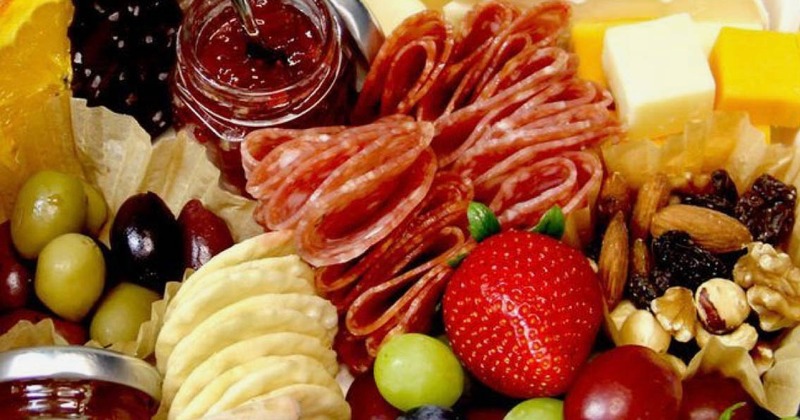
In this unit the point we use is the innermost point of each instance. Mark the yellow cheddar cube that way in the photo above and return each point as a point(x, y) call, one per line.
point(758, 72)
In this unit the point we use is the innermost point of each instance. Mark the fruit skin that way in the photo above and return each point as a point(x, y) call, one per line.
point(120, 314)
point(537, 408)
point(366, 402)
point(627, 382)
point(522, 312)
point(96, 209)
point(74, 333)
point(204, 234)
point(16, 281)
point(70, 276)
point(49, 205)
point(146, 242)
point(706, 397)
point(430, 412)
point(413, 370)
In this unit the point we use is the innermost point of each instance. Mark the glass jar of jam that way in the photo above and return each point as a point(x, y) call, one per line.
point(223, 88)
point(76, 383)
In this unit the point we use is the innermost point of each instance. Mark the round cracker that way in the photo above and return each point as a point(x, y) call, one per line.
point(263, 381)
point(233, 324)
point(228, 286)
point(268, 245)
point(316, 402)
point(276, 372)
point(275, 344)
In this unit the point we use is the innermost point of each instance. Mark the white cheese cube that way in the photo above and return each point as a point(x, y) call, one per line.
point(659, 75)
point(784, 15)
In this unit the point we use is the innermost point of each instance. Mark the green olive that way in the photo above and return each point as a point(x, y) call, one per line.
point(49, 205)
point(120, 314)
point(70, 276)
point(96, 210)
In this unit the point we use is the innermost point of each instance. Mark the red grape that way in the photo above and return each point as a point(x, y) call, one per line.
point(706, 397)
point(366, 402)
point(628, 382)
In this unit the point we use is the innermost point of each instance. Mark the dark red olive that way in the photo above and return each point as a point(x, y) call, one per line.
point(204, 234)
point(16, 280)
point(146, 242)
point(74, 333)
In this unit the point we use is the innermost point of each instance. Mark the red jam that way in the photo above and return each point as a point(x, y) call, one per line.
point(75, 382)
point(85, 399)
point(222, 90)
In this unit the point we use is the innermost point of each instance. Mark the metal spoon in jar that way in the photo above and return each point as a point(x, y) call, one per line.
point(361, 25)
point(257, 47)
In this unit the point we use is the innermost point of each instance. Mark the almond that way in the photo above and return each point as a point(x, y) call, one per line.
point(715, 231)
point(613, 261)
point(653, 195)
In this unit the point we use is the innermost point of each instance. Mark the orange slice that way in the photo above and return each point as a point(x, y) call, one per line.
point(35, 126)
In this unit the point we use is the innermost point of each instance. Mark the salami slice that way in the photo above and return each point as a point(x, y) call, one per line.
point(396, 285)
point(570, 180)
point(366, 198)
point(406, 67)
point(258, 144)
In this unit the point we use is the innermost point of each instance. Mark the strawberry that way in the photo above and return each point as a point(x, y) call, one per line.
point(522, 312)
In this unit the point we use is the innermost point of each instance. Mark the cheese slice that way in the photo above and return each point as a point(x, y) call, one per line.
point(659, 75)
point(391, 13)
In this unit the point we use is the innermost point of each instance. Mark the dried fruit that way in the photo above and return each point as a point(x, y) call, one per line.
point(722, 196)
point(122, 55)
point(653, 195)
point(683, 262)
point(712, 230)
point(767, 209)
point(641, 290)
point(613, 262)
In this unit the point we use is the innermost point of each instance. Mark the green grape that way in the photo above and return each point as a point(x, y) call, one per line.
point(121, 313)
point(49, 204)
point(537, 408)
point(70, 275)
point(96, 210)
point(412, 370)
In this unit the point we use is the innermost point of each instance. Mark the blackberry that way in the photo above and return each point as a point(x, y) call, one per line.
point(123, 52)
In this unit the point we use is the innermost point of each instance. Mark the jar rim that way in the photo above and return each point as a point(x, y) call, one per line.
point(80, 363)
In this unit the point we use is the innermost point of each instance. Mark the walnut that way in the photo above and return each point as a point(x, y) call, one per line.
point(675, 312)
point(773, 285)
point(745, 336)
point(641, 328)
point(763, 357)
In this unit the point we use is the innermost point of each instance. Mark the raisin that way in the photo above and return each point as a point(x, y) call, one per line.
point(767, 209)
point(641, 291)
point(721, 197)
point(686, 263)
point(123, 52)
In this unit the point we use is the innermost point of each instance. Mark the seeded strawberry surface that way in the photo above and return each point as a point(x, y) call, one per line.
point(522, 312)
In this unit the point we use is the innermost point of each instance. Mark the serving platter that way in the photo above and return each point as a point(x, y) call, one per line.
point(505, 209)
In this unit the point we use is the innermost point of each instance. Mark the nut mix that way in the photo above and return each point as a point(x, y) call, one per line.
point(721, 305)
point(773, 285)
point(676, 313)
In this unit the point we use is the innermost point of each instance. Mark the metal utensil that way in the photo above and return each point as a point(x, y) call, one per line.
point(361, 25)
point(257, 46)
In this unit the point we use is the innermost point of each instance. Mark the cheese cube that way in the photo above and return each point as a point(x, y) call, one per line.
point(586, 40)
point(758, 72)
point(390, 14)
point(784, 15)
point(658, 75)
